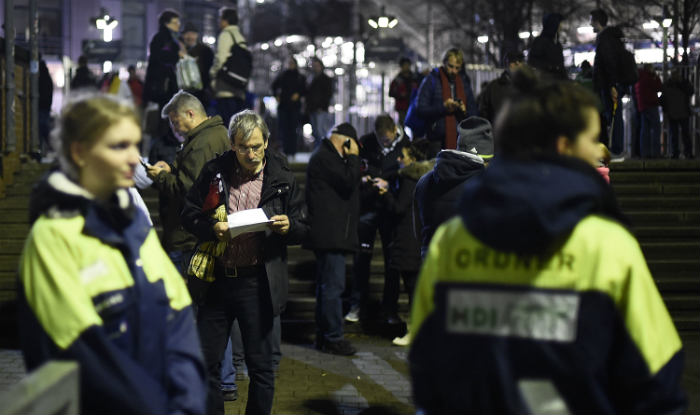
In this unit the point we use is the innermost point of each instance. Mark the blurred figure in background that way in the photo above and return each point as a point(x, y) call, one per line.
point(647, 91)
point(45, 100)
point(288, 88)
point(205, 60)
point(164, 51)
point(402, 86)
point(318, 99)
point(136, 86)
point(84, 78)
point(497, 91)
point(677, 92)
point(230, 99)
point(546, 54)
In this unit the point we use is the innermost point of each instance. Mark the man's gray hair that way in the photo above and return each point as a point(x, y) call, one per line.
point(181, 102)
point(245, 122)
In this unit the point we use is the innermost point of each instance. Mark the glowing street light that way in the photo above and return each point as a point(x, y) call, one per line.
point(650, 25)
point(383, 21)
point(107, 24)
point(482, 39)
point(667, 23)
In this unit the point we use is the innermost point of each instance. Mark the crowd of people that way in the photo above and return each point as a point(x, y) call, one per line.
point(492, 218)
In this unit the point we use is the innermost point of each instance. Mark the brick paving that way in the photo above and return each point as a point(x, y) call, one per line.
point(375, 381)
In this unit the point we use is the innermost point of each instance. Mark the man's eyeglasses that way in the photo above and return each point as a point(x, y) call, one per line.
point(255, 149)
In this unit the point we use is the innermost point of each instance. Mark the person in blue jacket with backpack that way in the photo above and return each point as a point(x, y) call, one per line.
point(444, 99)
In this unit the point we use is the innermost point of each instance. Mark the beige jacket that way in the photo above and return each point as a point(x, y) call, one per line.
point(223, 51)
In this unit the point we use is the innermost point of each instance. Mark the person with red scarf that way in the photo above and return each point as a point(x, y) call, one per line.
point(445, 98)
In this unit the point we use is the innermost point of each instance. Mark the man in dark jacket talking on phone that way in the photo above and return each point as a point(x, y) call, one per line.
point(333, 200)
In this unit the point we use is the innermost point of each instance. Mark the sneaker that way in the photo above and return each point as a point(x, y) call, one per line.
point(617, 158)
point(230, 396)
point(353, 316)
point(340, 347)
point(402, 341)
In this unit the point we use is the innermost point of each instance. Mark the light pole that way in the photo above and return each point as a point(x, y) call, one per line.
point(380, 24)
point(665, 24)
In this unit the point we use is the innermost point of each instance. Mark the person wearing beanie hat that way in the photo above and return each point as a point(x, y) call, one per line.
point(333, 200)
point(475, 137)
point(438, 191)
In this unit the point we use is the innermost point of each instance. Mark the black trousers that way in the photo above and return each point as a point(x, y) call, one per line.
point(247, 299)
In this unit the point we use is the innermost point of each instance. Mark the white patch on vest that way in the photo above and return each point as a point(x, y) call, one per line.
point(542, 397)
point(96, 270)
point(531, 315)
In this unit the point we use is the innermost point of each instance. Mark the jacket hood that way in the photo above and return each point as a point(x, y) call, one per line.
point(452, 166)
point(550, 24)
point(530, 207)
point(417, 169)
point(57, 195)
point(55, 192)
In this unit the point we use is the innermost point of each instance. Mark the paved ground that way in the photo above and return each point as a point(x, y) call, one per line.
point(375, 381)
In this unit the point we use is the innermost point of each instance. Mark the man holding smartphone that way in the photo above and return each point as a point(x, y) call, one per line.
point(379, 152)
point(445, 98)
point(204, 137)
point(333, 199)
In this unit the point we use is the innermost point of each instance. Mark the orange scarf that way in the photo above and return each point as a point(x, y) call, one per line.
point(451, 119)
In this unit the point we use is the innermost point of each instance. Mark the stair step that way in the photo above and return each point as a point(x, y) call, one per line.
point(18, 216)
point(657, 233)
point(15, 202)
point(661, 250)
point(674, 265)
point(686, 319)
point(15, 231)
point(617, 177)
point(688, 286)
point(662, 217)
point(11, 246)
point(682, 302)
point(648, 189)
point(675, 203)
point(654, 165)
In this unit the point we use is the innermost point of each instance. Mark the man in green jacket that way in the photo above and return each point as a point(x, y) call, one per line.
point(204, 137)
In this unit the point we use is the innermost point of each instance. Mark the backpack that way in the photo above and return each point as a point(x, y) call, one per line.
point(627, 73)
point(238, 67)
point(414, 121)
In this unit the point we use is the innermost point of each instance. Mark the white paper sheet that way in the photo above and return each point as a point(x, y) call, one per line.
point(250, 220)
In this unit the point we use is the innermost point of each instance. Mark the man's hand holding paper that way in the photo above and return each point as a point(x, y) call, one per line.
point(280, 224)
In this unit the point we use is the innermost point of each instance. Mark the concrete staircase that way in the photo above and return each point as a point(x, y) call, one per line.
point(14, 228)
point(661, 198)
